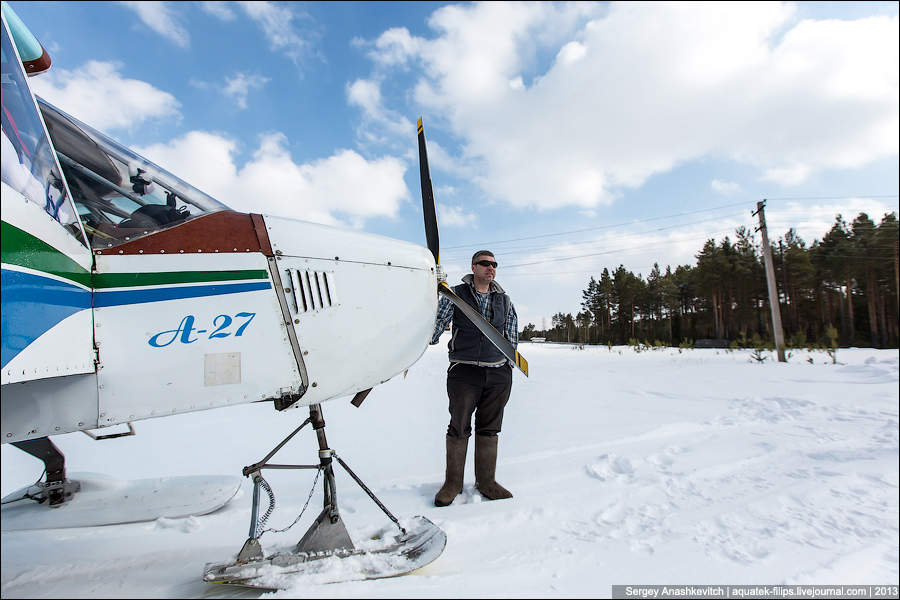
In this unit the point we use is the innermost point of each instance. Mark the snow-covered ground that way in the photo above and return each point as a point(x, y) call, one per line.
point(699, 466)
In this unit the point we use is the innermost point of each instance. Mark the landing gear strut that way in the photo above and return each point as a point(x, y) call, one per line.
point(327, 536)
point(56, 489)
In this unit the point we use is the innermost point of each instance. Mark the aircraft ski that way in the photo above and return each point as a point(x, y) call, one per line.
point(380, 557)
point(106, 501)
point(327, 540)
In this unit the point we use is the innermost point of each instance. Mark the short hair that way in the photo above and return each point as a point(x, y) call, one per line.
point(481, 253)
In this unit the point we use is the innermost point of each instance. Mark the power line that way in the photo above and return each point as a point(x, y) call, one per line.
point(853, 197)
point(623, 236)
point(616, 250)
point(668, 243)
point(723, 206)
point(593, 271)
point(644, 232)
point(632, 235)
point(543, 235)
point(581, 272)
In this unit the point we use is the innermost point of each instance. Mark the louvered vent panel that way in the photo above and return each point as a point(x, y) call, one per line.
point(311, 290)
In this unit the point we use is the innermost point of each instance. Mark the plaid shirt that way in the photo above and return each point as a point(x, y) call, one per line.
point(445, 316)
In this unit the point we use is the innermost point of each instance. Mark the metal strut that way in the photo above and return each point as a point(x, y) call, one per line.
point(57, 488)
point(371, 495)
point(328, 532)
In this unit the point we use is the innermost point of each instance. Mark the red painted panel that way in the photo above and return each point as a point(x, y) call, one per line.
point(223, 231)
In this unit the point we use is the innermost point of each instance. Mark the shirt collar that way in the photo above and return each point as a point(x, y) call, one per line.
point(493, 287)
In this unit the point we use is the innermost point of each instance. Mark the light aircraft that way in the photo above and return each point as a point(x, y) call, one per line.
point(129, 294)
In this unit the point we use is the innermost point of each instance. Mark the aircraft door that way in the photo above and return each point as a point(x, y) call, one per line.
point(202, 322)
point(47, 326)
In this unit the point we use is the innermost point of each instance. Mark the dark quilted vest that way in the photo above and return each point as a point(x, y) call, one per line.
point(467, 343)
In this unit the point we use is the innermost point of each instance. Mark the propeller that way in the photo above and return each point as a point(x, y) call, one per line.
point(431, 227)
point(431, 237)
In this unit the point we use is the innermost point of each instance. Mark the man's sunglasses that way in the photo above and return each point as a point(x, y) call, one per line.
point(487, 263)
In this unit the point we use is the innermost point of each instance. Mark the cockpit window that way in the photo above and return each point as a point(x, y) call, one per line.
point(120, 195)
point(28, 163)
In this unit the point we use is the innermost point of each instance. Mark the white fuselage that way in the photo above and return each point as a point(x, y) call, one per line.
point(330, 313)
point(129, 294)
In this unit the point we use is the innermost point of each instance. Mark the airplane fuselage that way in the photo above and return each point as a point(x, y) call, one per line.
point(127, 294)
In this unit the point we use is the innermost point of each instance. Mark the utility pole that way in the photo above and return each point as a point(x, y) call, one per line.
point(770, 282)
point(896, 268)
point(784, 285)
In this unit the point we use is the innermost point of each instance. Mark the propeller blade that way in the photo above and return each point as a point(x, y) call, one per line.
point(431, 236)
point(486, 328)
point(431, 226)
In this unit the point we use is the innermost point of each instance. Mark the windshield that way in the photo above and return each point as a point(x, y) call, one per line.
point(28, 162)
point(119, 194)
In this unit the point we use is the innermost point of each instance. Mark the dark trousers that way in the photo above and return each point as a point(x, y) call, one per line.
point(483, 391)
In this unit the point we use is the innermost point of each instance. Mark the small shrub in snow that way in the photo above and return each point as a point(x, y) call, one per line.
point(832, 334)
point(798, 340)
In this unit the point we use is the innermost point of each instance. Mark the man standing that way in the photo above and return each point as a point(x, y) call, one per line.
point(479, 379)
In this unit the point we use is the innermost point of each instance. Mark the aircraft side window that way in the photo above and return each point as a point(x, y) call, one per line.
point(113, 214)
point(28, 165)
point(119, 194)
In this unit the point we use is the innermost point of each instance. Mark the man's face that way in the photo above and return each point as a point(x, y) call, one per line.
point(485, 267)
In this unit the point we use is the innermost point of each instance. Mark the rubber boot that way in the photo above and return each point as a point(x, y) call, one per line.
point(456, 465)
point(485, 468)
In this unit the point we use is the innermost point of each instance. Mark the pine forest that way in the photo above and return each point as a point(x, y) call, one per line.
point(838, 291)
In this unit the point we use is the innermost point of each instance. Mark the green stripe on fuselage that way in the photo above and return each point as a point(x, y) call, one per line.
point(22, 249)
point(118, 280)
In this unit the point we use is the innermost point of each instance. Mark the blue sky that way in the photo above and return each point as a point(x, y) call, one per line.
point(628, 132)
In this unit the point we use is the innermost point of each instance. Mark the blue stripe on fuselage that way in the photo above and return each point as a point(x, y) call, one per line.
point(31, 305)
point(139, 296)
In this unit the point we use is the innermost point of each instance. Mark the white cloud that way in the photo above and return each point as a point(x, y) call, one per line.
point(517, 83)
point(571, 52)
point(395, 46)
point(440, 159)
point(220, 10)
point(641, 88)
point(160, 17)
point(276, 20)
point(793, 175)
point(277, 24)
point(813, 221)
point(366, 94)
point(453, 216)
point(726, 188)
point(445, 190)
point(344, 188)
point(239, 85)
point(98, 95)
